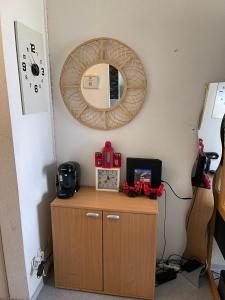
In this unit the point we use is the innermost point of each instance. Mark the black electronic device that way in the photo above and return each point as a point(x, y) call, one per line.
point(198, 171)
point(219, 232)
point(221, 286)
point(153, 165)
point(202, 166)
point(68, 179)
point(165, 275)
point(191, 265)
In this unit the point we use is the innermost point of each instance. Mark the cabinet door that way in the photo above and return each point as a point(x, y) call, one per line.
point(129, 254)
point(77, 241)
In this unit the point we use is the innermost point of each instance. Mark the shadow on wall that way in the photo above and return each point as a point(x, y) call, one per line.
point(43, 209)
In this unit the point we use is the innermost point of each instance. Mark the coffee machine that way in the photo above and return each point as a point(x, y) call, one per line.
point(68, 179)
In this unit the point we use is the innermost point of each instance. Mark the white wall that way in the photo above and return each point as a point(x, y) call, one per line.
point(180, 44)
point(210, 127)
point(32, 138)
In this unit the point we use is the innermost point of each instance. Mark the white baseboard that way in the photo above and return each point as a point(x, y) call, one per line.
point(38, 290)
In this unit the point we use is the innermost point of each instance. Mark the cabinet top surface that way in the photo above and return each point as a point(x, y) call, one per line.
point(89, 198)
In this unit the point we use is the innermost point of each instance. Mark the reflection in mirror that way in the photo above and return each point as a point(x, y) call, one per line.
point(102, 86)
point(210, 148)
point(209, 132)
point(207, 161)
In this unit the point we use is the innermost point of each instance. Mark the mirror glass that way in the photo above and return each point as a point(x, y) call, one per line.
point(102, 86)
point(209, 141)
point(209, 131)
point(206, 164)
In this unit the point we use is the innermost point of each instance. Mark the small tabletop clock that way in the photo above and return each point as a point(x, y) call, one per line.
point(107, 179)
point(32, 69)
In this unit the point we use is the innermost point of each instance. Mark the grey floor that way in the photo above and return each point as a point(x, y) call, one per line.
point(178, 289)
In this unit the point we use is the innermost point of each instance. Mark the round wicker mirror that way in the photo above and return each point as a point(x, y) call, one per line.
point(88, 69)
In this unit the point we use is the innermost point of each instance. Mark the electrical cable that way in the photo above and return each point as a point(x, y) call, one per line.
point(164, 226)
point(182, 198)
point(217, 278)
point(214, 274)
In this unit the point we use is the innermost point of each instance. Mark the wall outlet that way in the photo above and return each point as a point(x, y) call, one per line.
point(36, 261)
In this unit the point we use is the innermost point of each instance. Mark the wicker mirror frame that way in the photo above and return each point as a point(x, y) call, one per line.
point(125, 60)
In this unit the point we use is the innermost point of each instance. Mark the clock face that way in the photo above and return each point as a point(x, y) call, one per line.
point(107, 179)
point(32, 69)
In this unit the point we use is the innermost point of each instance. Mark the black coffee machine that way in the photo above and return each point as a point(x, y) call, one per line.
point(68, 179)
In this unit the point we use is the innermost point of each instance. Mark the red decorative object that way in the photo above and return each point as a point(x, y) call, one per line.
point(107, 155)
point(116, 160)
point(107, 158)
point(206, 181)
point(140, 187)
point(201, 146)
point(98, 159)
point(205, 177)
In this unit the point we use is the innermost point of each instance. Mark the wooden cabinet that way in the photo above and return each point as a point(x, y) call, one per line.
point(105, 242)
point(77, 237)
point(129, 254)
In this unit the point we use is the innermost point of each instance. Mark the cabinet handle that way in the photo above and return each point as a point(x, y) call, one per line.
point(113, 217)
point(92, 215)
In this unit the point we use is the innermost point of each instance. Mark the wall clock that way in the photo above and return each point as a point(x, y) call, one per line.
point(107, 179)
point(32, 69)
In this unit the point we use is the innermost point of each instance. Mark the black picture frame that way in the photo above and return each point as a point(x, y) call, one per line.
point(155, 165)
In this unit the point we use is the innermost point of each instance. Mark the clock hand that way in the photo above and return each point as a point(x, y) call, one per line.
point(29, 60)
point(33, 58)
point(34, 67)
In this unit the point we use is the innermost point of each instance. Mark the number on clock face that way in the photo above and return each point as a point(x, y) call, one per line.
point(32, 47)
point(24, 66)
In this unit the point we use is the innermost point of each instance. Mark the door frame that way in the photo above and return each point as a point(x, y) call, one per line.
point(10, 217)
point(4, 288)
